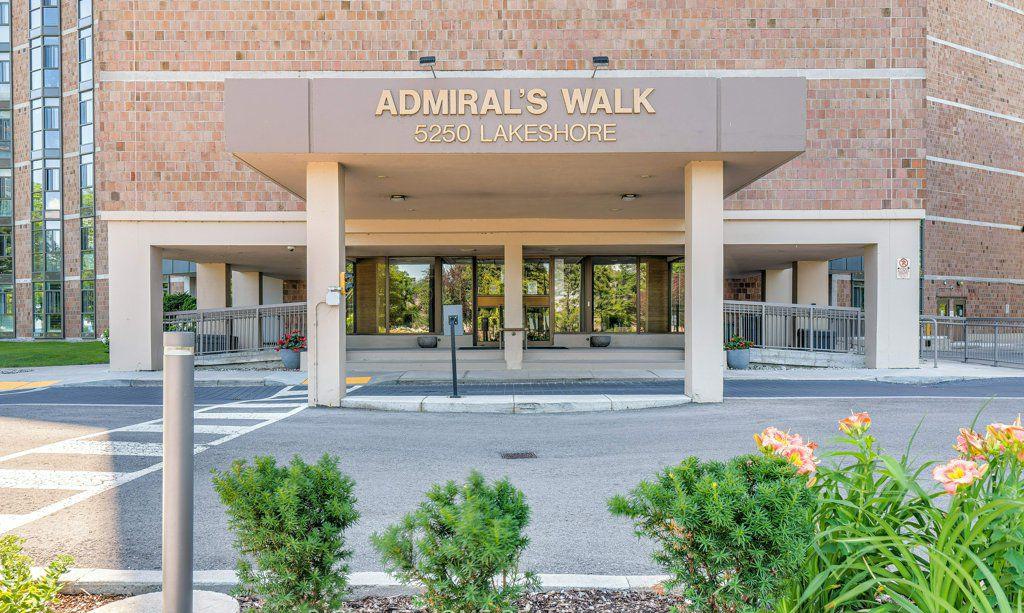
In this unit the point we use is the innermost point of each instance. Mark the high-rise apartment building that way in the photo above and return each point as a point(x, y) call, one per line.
point(51, 269)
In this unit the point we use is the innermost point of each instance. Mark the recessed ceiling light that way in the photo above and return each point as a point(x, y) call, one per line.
point(646, 176)
point(383, 177)
point(629, 197)
point(615, 210)
point(410, 209)
point(398, 197)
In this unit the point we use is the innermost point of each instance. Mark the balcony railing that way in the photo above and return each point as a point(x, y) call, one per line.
point(238, 329)
point(996, 341)
point(805, 327)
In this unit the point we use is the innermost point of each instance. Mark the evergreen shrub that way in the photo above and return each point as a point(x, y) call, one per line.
point(20, 592)
point(729, 534)
point(463, 545)
point(289, 524)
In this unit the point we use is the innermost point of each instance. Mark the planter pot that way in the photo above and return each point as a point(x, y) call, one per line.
point(600, 341)
point(738, 359)
point(291, 358)
point(426, 342)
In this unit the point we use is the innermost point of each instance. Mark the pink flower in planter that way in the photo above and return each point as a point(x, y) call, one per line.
point(801, 456)
point(771, 440)
point(958, 473)
point(970, 444)
point(855, 424)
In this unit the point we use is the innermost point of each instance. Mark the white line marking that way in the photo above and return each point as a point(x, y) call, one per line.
point(132, 448)
point(996, 169)
point(198, 428)
point(975, 109)
point(18, 478)
point(262, 405)
point(240, 415)
point(982, 54)
point(11, 522)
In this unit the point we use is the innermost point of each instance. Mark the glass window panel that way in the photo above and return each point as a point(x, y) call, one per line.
point(5, 13)
point(6, 250)
point(568, 290)
point(5, 71)
point(410, 295)
point(88, 325)
point(457, 288)
point(350, 296)
point(51, 17)
point(88, 263)
point(535, 277)
point(490, 277)
point(84, 9)
point(85, 71)
point(654, 293)
point(86, 136)
point(677, 301)
point(615, 294)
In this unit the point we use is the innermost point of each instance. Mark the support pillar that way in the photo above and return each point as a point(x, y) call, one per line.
point(705, 258)
point(325, 268)
point(245, 288)
point(811, 280)
point(211, 285)
point(778, 285)
point(892, 304)
point(272, 290)
point(136, 299)
point(513, 305)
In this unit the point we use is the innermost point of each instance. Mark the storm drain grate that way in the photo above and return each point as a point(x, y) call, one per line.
point(518, 455)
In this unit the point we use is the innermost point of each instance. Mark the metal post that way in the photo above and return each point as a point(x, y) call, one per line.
point(453, 321)
point(965, 341)
point(935, 344)
point(995, 344)
point(810, 325)
point(179, 403)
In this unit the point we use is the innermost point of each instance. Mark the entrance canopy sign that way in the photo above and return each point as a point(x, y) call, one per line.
point(586, 129)
point(500, 115)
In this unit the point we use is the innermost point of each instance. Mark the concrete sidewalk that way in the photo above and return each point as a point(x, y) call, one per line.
point(100, 374)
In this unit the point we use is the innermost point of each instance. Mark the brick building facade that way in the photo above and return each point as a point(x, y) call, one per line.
point(910, 104)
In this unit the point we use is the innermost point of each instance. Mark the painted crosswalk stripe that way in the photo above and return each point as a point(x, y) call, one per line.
point(155, 450)
point(16, 478)
point(263, 405)
point(198, 428)
point(240, 415)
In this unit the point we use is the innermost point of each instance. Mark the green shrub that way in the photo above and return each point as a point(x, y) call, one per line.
point(729, 534)
point(19, 592)
point(289, 524)
point(179, 302)
point(463, 545)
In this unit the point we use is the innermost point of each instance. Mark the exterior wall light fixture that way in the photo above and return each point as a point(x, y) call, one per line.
point(629, 197)
point(429, 61)
point(399, 197)
point(600, 61)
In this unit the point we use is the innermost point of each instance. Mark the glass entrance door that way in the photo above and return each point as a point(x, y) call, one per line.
point(537, 301)
point(490, 301)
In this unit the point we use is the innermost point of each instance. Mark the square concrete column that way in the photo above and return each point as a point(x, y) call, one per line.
point(136, 300)
point(705, 259)
point(212, 285)
point(513, 305)
point(325, 268)
point(273, 290)
point(245, 288)
point(811, 278)
point(891, 303)
point(778, 285)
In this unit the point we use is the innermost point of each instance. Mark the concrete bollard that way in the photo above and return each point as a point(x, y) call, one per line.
point(178, 486)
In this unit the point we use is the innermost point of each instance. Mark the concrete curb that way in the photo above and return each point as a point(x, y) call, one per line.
point(266, 381)
point(134, 582)
point(525, 403)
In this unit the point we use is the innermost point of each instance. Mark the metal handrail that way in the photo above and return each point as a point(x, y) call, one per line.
point(991, 340)
point(238, 329)
point(804, 327)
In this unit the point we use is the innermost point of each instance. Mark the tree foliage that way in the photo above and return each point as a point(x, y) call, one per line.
point(20, 592)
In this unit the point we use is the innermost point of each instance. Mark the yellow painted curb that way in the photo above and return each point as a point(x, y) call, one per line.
point(348, 381)
point(7, 386)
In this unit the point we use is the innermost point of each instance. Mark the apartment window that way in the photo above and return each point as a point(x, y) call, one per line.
point(85, 54)
point(44, 13)
point(86, 184)
point(47, 306)
point(45, 124)
point(6, 251)
point(6, 193)
point(84, 9)
point(45, 62)
point(6, 310)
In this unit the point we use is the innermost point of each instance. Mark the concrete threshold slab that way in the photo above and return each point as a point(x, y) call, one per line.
point(520, 403)
point(133, 582)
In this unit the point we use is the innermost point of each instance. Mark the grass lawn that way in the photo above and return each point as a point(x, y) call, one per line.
point(52, 353)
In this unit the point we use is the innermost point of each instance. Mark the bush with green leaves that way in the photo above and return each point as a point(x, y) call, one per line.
point(19, 591)
point(289, 524)
point(182, 301)
point(463, 545)
point(729, 534)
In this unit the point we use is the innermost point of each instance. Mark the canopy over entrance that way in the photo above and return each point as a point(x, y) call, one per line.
point(500, 148)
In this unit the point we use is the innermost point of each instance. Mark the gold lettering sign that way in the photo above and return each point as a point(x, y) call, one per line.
point(584, 106)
